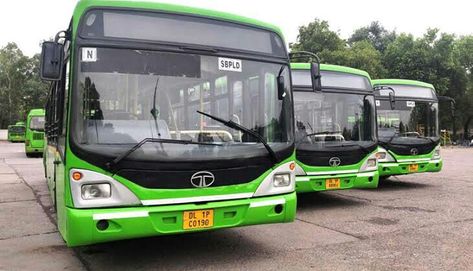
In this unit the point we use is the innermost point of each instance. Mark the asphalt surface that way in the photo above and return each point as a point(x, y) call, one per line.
point(416, 222)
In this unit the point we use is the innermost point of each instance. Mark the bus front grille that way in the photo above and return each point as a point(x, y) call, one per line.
point(38, 136)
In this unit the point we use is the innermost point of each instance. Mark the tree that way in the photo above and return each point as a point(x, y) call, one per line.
point(376, 34)
point(317, 38)
point(20, 86)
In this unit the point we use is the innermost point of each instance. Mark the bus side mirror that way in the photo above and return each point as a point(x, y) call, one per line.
point(52, 56)
point(281, 87)
point(392, 100)
point(316, 77)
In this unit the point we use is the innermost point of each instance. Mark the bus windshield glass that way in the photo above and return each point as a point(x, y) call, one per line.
point(180, 29)
point(410, 121)
point(408, 91)
point(125, 96)
point(37, 123)
point(331, 79)
point(17, 129)
point(330, 119)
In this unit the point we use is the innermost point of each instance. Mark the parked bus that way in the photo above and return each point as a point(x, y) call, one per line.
point(34, 135)
point(153, 129)
point(408, 127)
point(16, 132)
point(335, 129)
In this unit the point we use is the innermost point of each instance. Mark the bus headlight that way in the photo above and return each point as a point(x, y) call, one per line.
point(281, 179)
point(370, 164)
point(437, 152)
point(91, 189)
point(383, 156)
point(96, 191)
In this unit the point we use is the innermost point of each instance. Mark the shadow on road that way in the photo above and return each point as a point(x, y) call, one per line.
point(187, 251)
point(394, 183)
point(325, 200)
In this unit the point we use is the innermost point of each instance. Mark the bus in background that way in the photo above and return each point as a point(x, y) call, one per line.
point(16, 132)
point(335, 129)
point(153, 130)
point(408, 127)
point(34, 135)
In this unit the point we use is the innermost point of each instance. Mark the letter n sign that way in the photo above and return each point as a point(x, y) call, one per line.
point(89, 54)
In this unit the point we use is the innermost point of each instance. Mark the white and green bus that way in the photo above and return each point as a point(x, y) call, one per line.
point(336, 143)
point(165, 119)
point(408, 127)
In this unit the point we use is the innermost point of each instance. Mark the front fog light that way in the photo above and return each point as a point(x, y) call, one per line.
point(96, 191)
point(371, 162)
point(280, 180)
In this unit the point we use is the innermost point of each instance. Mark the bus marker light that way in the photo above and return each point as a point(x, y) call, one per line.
point(292, 166)
point(77, 176)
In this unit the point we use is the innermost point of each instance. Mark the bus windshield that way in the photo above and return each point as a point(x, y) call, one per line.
point(37, 123)
point(17, 129)
point(330, 119)
point(410, 121)
point(124, 96)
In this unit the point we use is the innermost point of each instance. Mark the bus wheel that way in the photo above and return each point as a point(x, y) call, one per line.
point(384, 178)
point(29, 155)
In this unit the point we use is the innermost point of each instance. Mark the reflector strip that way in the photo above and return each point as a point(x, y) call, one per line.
point(267, 203)
point(120, 215)
point(196, 199)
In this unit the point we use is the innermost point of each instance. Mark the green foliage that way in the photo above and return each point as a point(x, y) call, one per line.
point(441, 59)
point(20, 86)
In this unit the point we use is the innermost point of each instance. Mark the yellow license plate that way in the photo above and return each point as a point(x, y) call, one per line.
point(332, 183)
point(198, 219)
point(413, 168)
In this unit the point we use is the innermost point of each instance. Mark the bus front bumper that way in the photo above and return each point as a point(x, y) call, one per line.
point(311, 183)
point(135, 222)
point(34, 148)
point(395, 168)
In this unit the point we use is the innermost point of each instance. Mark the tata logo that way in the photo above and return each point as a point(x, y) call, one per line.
point(202, 179)
point(334, 162)
point(414, 151)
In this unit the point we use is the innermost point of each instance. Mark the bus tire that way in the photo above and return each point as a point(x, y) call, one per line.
point(29, 155)
point(384, 178)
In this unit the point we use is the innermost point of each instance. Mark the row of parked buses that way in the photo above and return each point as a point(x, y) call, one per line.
point(31, 132)
point(164, 119)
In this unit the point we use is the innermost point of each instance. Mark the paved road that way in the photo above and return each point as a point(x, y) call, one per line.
point(422, 222)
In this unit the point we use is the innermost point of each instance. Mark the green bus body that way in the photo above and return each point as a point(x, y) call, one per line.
point(16, 132)
point(418, 149)
point(34, 136)
point(314, 170)
point(144, 194)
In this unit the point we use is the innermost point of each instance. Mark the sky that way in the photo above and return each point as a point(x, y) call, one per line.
point(27, 22)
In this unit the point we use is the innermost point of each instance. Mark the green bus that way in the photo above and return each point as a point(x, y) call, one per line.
point(165, 119)
point(16, 132)
point(408, 127)
point(34, 136)
point(336, 142)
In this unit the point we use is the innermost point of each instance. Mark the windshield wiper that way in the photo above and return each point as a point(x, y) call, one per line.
point(196, 48)
point(122, 156)
point(236, 126)
point(324, 133)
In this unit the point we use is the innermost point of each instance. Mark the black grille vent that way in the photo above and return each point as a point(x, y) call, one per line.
point(38, 136)
point(401, 149)
point(347, 155)
point(167, 179)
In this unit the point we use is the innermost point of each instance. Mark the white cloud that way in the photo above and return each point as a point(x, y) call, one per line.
point(27, 22)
